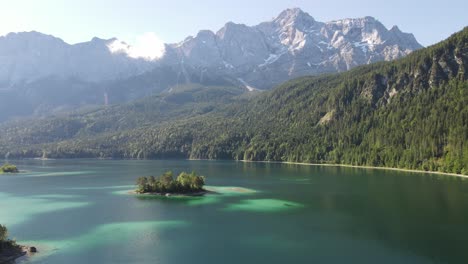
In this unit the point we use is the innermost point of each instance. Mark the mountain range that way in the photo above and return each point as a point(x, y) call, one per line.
point(41, 74)
point(409, 113)
point(291, 45)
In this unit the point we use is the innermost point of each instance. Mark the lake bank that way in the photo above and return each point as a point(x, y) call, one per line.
point(10, 255)
point(358, 167)
point(201, 193)
point(285, 162)
point(297, 163)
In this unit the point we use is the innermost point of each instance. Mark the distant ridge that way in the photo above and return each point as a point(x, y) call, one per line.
point(411, 113)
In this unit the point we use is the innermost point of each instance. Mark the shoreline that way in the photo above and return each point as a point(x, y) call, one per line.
point(358, 167)
point(201, 193)
point(11, 259)
point(10, 256)
point(284, 162)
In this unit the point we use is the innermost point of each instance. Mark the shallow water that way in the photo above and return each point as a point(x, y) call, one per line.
point(80, 211)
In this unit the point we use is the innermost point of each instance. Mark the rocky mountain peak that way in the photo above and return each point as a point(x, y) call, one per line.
point(395, 28)
point(231, 29)
point(294, 17)
point(206, 34)
point(364, 24)
point(98, 41)
point(292, 14)
point(30, 37)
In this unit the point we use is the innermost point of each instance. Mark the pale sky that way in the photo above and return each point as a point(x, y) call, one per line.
point(173, 20)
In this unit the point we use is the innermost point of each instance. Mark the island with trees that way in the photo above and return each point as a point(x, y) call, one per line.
point(9, 249)
point(8, 168)
point(186, 184)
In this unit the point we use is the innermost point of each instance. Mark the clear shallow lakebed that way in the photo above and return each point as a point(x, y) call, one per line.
point(79, 211)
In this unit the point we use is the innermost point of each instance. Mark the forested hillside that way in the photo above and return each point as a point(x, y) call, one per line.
point(411, 113)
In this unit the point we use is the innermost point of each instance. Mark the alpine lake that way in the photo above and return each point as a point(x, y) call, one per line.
point(80, 211)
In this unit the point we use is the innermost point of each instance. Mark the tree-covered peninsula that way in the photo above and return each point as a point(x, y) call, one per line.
point(184, 184)
point(9, 249)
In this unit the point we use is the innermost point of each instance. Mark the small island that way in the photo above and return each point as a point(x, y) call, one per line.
point(8, 168)
point(9, 250)
point(186, 184)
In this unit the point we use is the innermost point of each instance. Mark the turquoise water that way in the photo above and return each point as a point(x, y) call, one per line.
point(80, 211)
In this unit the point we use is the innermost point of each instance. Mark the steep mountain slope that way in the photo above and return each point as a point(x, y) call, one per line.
point(183, 102)
point(41, 74)
point(411, 113)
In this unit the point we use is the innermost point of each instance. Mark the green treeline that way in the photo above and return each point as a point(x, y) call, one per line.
point(3, 233)
point(411, 113)
point(6, 243)
point(8, 168)
point(185, 183)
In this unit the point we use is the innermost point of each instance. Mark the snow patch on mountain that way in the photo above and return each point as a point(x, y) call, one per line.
point(272, 58)
point(247, 86)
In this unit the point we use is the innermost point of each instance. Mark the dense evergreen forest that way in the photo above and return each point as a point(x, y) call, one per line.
point(411, 113)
